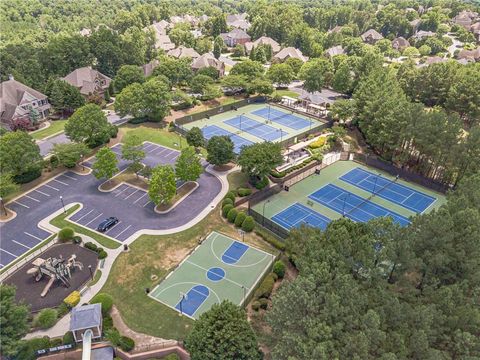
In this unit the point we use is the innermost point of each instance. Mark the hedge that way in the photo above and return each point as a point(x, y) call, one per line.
point(77, 239)
point(63, 309)
point(105, 300)
point(65, 234)
point(240, 219)
point(226, 209)
point(91, 246)
point(28, 176)
point(46, 318)
point(102, 254)
point(107, 323)
point(126, 343)
point(248, 224)
point(262, 183)
point(68, 338)
point(279, 268)
point(271, 239)
point(227, 201)
point(266, 287)
point(243, 192)
point(230, 195)
point(283, 173)
point(73, 299)
point(231, 216)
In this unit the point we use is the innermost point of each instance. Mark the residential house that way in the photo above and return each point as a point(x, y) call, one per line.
point(17, 100)
point(164, 43)
point(415, 24)
point(208, 60)
point(432, 60)
point(465, 19)
point(197, 33)
point(86, 317)
point(400, 43)
point(420, 35)
point(469, 55)
point(264, 40)
point(162, 40)
point(234, 37)
point(475, 29)
point(148, 68)
point(334, 51)
point(88, 81)
point(287, 53)
point(371, 36)
point(238, 21)
point(183, 52)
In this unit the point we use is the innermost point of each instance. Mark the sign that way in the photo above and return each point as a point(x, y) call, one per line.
point(54, 349)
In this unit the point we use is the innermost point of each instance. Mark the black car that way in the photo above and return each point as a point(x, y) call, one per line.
point(107, 224)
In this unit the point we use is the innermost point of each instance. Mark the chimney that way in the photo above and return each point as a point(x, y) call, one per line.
point(10, 77)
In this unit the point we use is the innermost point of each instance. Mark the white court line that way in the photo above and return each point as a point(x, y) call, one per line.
point(131, 194)
point(70, 177)
point(123, 231)
point(32, 198)
point(51, 187)
point(93, 219)
point(9, 253)
point(113, 227)
point(19, 243)
point(126, 188)
point(41, 192)
point(61, 182)
point(225, 277)
point(82, 216)
point(140, 198)
point(33, 236)
point(19, 203)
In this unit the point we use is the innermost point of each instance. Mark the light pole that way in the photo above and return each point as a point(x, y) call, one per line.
point(263, 212)
point(81, 162)
point(63, 205)
point(2, 205)
point(91, 273)
point(181, 303)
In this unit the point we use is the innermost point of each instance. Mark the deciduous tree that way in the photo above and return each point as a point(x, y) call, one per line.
point(162, 186)
point(259, 159)
point(88, 124)
point(195, 137)
point(220, 150)
point(126, 75)
point(69, 154)
point(188, 166)
point(105, 165)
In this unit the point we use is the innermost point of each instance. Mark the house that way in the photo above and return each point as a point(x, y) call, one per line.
point(183, 52)
point(86, 317)
point(208, 60)
point(287, 53)
point(164, 43)
point(400, 43)
point(371, 36)
point(197, 33)
point(234, 37)
point(264, 40)
point(334, 51)
point(162, 40)
point(469, 55)
point(17, 101)
point(148, 68)
point(238, 21)
point(85, 32)
point(432, 60)
point(420, 35)
point(88, 81)
point(465, 18)
point(475, 29)
point(415, 24)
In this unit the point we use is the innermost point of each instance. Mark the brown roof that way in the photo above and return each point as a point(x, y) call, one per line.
point(373, 34)
point(148, 68)
point(88, 80)
point(264, 40)
point(400, 43)
point(14, 94)
point(236, 34)
point(182, 52)
point(290, 52)
point(469, 54)
point(335, 50)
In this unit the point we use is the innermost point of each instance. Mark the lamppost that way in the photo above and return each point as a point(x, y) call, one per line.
point(263, 212)
point(2, 205)
point(181, 303)
point(63, 204)
point(91, 272)
point(81, 162)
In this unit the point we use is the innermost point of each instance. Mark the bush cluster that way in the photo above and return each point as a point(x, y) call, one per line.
point(241, 216)
point(271, 239)
point(66, 234)
point(248, 224)
point(105, 300)
point(285, 172)
point(243, 192)
point(262, 183)
point(226, 209)
point(279, 268)
point(68, 338)
point(227, 201)
point(102, 254)
point(73, 299)
point(126, 343)
point(230, 195)
point(232, 215)
point(318, 143)
point(46, 318)
point(266, 287)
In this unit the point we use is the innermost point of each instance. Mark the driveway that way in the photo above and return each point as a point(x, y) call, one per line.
point(129, 204)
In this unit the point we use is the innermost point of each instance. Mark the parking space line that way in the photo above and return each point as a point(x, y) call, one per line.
point(32, 198)
point(148, 146)
point(33, 236)
point(93, 219)
point(131, 194)
point(19, 243)
point(161, 151)
point(41, 192)
point(126, 188)
point(113, 227)
point(9, 253)
point(70, 177)
point(148, 202)
point(140, 198)
point(83, 216)
point(129, 226)
point(19, 203)
point(51, 187)
point(61, 182)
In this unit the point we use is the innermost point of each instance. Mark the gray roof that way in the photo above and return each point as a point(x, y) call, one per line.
point(182, 52)
point(148, 68)
point(372, 33)
point(85, 317)
point(264, 40)
point(290, 52)
point(87, 80)
point(14, 94)
point(335, 50)
point(206, 60)
point(236, 34)
point(104, 353)
point(326, 96)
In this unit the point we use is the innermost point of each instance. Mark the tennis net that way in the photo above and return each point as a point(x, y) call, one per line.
point(247, 129)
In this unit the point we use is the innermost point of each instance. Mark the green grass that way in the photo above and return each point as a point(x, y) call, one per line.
point(237, 179)
point(61, 222)
point(55, 127)
point(154, 134)
point(290, 93)
point(96, 277)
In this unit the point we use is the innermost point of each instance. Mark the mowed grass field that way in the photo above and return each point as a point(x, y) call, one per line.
point(54, 128)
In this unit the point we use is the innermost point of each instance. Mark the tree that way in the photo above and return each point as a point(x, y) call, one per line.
point(33, 116)
point(126, 75)
point(234, 82)
point(343, 80)
point(260, 86)
point(88, 125)
point(216, 25)
point(209, 71)
point(19, 154)
point(65, 98)
point(7, 185)
point(103, 43)
point(199, 83)
point(464, 95)
point(220, 150)
point(203, 45)
point(105, 165)
point(238, 51)
point(295, 64)
point(176, 70)
point(248, 68)
point(281, 74)
point(188, 166)
point(259, 159)
point(162, 186)
point(218, 46)
point(236, 340)
point(195, 137)
point(69, 154)
point(316, 74)
point(182, 36)
point(13, 320)
point(132, 151)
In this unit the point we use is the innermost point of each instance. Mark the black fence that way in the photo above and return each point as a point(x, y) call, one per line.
point(402, 173)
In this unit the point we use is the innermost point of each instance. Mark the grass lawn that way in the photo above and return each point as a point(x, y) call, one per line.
point(286, 92)
point(96, 277)
point(60, 222)
point(237, 179)
point(154, 133)
point(55, 127)
point(151, 255)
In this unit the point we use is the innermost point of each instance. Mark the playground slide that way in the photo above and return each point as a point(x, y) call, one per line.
point(87, 345)
point(47, 287)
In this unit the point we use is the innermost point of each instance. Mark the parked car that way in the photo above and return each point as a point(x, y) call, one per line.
point(107, 224)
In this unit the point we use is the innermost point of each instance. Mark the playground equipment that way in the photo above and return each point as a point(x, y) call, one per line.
point(55, 269)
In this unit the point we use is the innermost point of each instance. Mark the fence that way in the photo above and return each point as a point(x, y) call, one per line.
point(139, 348)
point(402, 173)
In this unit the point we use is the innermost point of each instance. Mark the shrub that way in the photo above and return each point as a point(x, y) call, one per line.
point(102, 254)
point(139, 120)
point(56, 342)
point(226, 209)
point(126, 343)
point(232, 214)
point(107, 323)
point(68, 338)
point(248, 224)
point(227, 201)
point(318, 143)
point(29, 348)
point(73, 299)
point(230, 195)
point(46, 318)
point(62, 310)
point(172, 356)
point(77, 239)
point(66, 234)
point(279, 268)
point(240, 219)
point(91, 246)
point(263, 303)
point(275, 276)
point(28, 176)
point(266, 287)
point(256, 305)
point(244, 192)
point(271, 239)
point(262, 183)
point(105, 300)
point(113, 131)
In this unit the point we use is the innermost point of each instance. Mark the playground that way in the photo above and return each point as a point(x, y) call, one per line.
point(219, 269)
point(255, 123)
point(49, 278)
point(348, 189)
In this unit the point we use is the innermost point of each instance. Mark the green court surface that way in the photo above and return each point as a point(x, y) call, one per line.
point(299, 193)
point(219, 269)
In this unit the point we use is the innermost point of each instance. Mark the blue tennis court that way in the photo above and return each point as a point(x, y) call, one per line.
point(297, 214)
point(387, 189)
point(283, 118)
point(192, 300)
point(238, 141)
point(256, 128)
point(234, 252)
point(345, 203)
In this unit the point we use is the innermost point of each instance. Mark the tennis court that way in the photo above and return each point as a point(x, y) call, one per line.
point(238, 141)
point(221, 268)
point(256, 128)
point(298, 214)
point(283, 117)
point(391, 190)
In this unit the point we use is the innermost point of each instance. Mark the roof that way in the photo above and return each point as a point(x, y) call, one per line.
point(103, 353)
point(290, 52)
point(234, 17)
point(336, 29)
point(148, 68)
point(183, 52)
point(335, 50)
point(85, 317)
point(321, 97)
point(422, 33)
point(163, 42)
point(469, 54)
point(13, 93)
point(84, 79)
point(240, 24)
point(236, 34)
point(372, 33)
point(206, 60)
point(400, 42)
point(85, 32)
point(264, 40)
